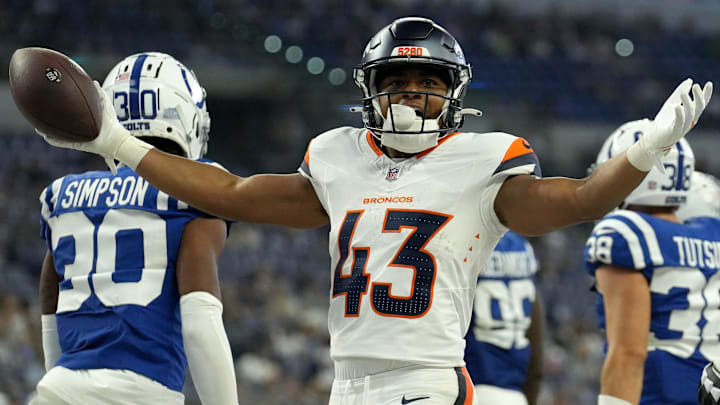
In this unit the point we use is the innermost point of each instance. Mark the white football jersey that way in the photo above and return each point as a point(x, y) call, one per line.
point(407, 238)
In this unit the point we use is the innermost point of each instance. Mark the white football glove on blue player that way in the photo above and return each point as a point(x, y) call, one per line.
point(675, 119)
point(114, 142)
point(709, 390)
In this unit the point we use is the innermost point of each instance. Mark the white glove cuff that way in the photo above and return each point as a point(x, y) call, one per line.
point(131, 151)
point(640, 157)
point(608, 400)
point(50, 341)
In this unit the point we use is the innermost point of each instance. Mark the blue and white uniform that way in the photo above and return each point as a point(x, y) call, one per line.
point(497, 351)
point(115, 240)
point(680, 263)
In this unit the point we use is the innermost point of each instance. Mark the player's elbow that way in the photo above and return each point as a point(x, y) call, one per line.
point(627, 356)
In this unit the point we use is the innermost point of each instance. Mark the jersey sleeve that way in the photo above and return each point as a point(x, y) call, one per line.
point(312, 166)
point(618, 242)
point(48, 199)
point(518, 157)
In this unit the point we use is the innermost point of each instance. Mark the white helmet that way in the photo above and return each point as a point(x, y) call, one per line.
point(157, 96)
point(658, 189)
point(703, 199)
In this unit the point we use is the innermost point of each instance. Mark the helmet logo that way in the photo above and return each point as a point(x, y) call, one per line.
point(410, 51)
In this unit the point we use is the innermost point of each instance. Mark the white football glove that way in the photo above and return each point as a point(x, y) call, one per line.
point(709, 389)
point(112, 137)
point(674, 120)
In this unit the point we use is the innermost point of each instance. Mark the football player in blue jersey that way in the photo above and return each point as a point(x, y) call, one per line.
point(504, 342)
point(400, 195)
point(704, 201)
point(658, 283)
point(129, 287)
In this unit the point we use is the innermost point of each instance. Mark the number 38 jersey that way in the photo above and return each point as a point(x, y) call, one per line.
point(498, 351)
point(680, 263)
point(407, 238)
point(114, 241)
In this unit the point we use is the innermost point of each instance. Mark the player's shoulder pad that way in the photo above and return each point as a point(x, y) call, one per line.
point(333, 144)
point(624, 239)
point(49, 197)
point(506, 154)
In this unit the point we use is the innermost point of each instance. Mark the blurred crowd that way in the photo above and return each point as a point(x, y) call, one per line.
point(275, 282)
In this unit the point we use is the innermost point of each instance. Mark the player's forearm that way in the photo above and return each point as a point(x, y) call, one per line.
point(606, 188)
point(203, 186)
point(622, 374)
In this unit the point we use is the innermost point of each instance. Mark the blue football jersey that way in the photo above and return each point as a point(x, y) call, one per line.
point(497, 352)
point(114, 240)
point(680, 263)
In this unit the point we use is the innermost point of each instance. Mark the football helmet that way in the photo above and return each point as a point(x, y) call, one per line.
point(703, 199)
point(658, 189)
point(156, 96)
point(412, 41)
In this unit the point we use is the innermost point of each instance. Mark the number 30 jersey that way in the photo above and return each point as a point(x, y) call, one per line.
point(498, 352)
point(407, 239)
point(114, 241)
point(680, 263)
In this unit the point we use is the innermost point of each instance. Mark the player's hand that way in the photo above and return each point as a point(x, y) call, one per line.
point(675, 119)
point(709, 390)
point(112, 134)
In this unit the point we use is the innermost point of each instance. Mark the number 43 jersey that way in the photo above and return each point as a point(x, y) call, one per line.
point(407, 239)
point(680, 263)
point(114, 241)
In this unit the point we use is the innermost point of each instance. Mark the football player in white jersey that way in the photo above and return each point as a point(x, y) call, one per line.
point(657, 279)
point(414, 207)
point(129, 287)
point(704, 201)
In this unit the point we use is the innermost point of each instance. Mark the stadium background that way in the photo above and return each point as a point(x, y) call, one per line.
point(562, 74)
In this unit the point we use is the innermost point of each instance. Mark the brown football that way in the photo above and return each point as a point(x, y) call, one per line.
point(55, 94)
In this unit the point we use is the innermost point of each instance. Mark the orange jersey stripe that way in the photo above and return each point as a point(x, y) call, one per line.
point(307, 153)
point(373, 145)
point(519, 147)
point(470, 388)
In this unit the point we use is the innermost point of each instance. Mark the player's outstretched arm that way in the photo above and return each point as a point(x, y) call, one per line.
point(532, 206)
point(626, 297)
point(273, 199)
point(206, 344)
point(49, 289)
point(283, 199)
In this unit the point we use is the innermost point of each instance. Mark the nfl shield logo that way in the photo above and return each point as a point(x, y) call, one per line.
point(392, 174)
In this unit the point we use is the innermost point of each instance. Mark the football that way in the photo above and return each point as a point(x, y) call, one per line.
point(55, 94)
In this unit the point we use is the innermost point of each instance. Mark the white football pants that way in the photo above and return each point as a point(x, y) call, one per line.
point(61, 386)
point(492, 395)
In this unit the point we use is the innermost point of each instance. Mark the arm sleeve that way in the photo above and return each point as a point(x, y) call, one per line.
point(207, 349)
point(50, 341)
